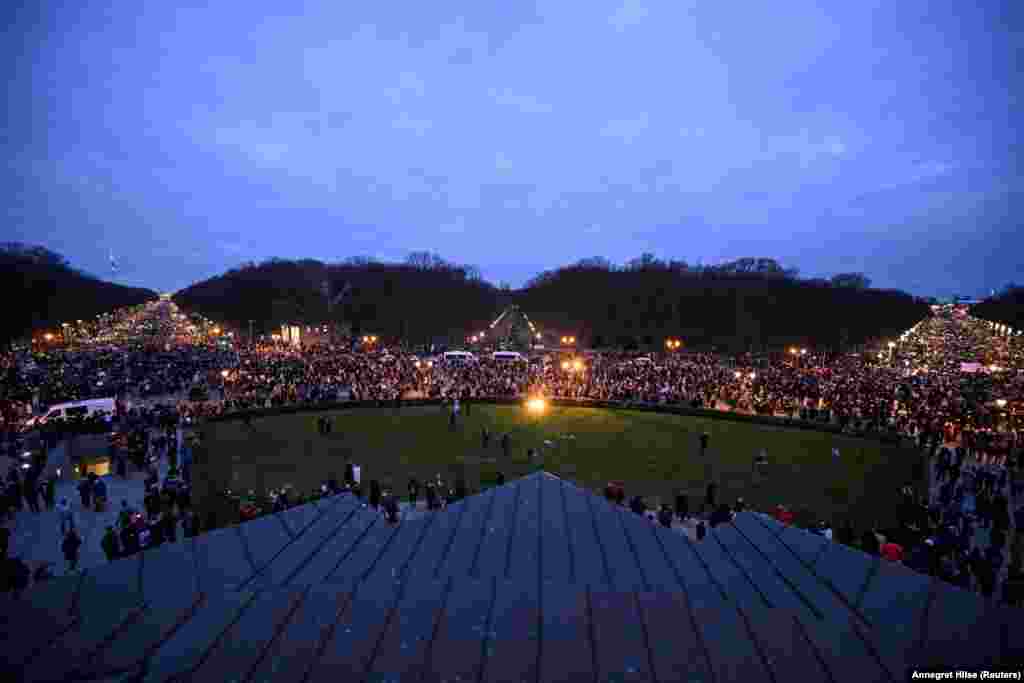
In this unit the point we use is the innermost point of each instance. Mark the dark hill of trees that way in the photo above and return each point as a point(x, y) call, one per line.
point(46, 291)
point(417, 300)
point(750, 303)
point(1007, 307)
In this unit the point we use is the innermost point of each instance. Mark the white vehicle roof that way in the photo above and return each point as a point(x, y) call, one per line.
point(92, 402)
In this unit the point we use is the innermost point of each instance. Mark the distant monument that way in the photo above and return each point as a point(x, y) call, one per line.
point(513, 330)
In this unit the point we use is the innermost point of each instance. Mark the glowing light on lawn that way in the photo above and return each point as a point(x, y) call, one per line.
point(536, 405)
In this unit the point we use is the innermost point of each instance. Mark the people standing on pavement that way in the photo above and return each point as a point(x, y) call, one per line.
point(110, 545)
point(375, 494)
point(99, 492)
point(5, 541)
point(85, 492)
point(48, 489)
point(70, 546)
point(665, 516)
point(31, 494)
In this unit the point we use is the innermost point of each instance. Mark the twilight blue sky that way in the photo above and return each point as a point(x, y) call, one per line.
point(188, 137)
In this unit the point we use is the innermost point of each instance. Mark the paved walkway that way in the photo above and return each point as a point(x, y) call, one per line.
point(36, 537)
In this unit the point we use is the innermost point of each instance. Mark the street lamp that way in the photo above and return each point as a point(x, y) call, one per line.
point(48, 337)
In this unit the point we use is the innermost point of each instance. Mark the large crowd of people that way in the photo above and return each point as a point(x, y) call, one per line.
point(953, 383)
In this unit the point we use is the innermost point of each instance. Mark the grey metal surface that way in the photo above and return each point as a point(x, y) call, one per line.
point(537, 580)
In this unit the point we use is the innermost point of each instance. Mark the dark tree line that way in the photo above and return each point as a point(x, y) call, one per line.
point(418, 300)
point(746, 304)
point(46, 291)
point(1007, 307)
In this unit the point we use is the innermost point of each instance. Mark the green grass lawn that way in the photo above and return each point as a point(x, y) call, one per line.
point(656, 455)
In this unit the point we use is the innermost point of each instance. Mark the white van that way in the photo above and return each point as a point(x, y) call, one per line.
point(459, 357)
point(75, 409)
point(507, 355)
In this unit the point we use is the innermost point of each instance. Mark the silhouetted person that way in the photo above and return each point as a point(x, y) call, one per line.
point(414, 491)
point(85, 492)
point(704, 438)
point(18, 575)
point(460, 489)
point(375, 494)
point(111, 546)
point(501, 478)
point(391, 508)
point(709, 498)
point(70, 546)
point(665, 516)
point(702, 530)
point(637, 505)
point(31, 492)
point(170, 524)
point(682, 506)
point(50, 493)
point(869, 542)
point(721, 515)
point(485, 437)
